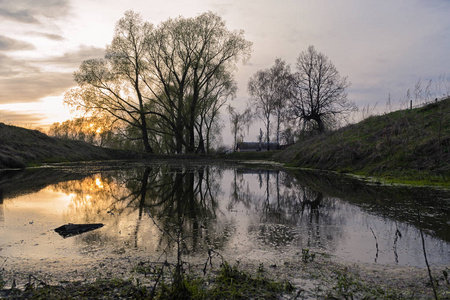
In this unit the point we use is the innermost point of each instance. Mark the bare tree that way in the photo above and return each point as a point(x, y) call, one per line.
point(239, 122)
point(113, 85)
point(262, 91)
point(270, 90)
point(167, 82)
point(283, 84)
point(320, 91)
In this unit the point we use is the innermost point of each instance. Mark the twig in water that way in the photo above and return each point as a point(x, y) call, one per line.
point(161, 271)
point(209, 259)
point(425, 255)
point(398, 234)
point(376, 244)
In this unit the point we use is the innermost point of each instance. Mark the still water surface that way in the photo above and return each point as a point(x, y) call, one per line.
point(243, 213)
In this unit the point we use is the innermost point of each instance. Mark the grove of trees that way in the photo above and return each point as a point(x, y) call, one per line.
point(164, 87)
point(166, 83)
point(93, 130)
point(313, 98)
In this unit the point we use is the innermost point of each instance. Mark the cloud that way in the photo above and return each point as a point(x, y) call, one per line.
point(75, 58)
point(28, 11)
point(18, 16)
point(8, 44)
point(50, 36)
point(12, 117)
point(25, 80)
point(30, 88)
point(12, 67)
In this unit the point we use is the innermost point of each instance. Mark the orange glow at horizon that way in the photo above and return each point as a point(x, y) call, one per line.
point(99, 183)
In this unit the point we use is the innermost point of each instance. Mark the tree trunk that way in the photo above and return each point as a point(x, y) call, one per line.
point(320, 124)
point(179, 126)
point(278, 128)
point(201, 147)
point(208, 150)
point(191, 145)
point(145, 140)
point(201, 143)
point(193, 108)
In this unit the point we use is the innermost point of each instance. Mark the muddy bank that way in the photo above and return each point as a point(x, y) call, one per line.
point(313, 275)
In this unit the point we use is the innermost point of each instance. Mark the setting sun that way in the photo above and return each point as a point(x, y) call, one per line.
point(99, 182)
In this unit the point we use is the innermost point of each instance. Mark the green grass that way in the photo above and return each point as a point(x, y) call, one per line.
point(233, 283)
point(408, 146)
point(229, 282)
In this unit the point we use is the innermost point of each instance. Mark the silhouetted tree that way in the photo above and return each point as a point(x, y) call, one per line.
point(114, 84)
point(239, 122)
point(94, 130)
point(270, 90)
point(320, 92)
point(191, 62)
point(168, 82)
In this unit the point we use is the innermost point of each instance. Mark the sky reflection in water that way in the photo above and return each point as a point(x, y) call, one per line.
point(244, 214)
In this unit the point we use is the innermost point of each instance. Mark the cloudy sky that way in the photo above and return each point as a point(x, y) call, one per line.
point(383, 47)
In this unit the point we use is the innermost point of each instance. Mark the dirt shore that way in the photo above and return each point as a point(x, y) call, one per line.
point(314, 276)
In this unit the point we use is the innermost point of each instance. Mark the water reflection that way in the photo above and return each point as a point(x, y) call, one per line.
point(2, 218)
point(162, 210)
point(150, 207)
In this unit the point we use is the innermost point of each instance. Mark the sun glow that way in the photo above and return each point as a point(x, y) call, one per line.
point(51, 107)
point(99, 183)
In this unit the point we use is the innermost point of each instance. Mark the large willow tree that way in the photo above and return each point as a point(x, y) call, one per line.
point(167, 81)
point(191, 61)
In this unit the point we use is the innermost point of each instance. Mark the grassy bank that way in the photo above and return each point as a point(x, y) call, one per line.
point(20, 147)
point(408, 146)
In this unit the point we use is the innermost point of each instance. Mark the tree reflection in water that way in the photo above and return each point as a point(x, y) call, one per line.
point(2, 214)
point(167, 208)
point(173, 210)
point(154, 207)
point(288, 212)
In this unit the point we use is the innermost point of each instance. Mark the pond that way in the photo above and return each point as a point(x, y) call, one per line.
point(244, 213)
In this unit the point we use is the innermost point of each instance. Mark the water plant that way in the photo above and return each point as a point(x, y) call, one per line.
point(307, 256)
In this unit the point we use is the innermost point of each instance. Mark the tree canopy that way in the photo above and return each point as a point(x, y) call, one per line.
point(168, 81)
point(270, 91)
point(320, 92)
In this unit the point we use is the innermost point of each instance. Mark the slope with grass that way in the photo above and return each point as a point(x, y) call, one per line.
point(404, 146)
point(20, 147)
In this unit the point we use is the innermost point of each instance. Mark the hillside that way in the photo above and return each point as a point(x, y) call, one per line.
point(20, 147)
point(407, 144)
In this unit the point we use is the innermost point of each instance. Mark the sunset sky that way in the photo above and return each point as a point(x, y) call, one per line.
point(381, 46)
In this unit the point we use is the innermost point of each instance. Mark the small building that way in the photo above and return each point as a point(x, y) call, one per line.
point(256, 146)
